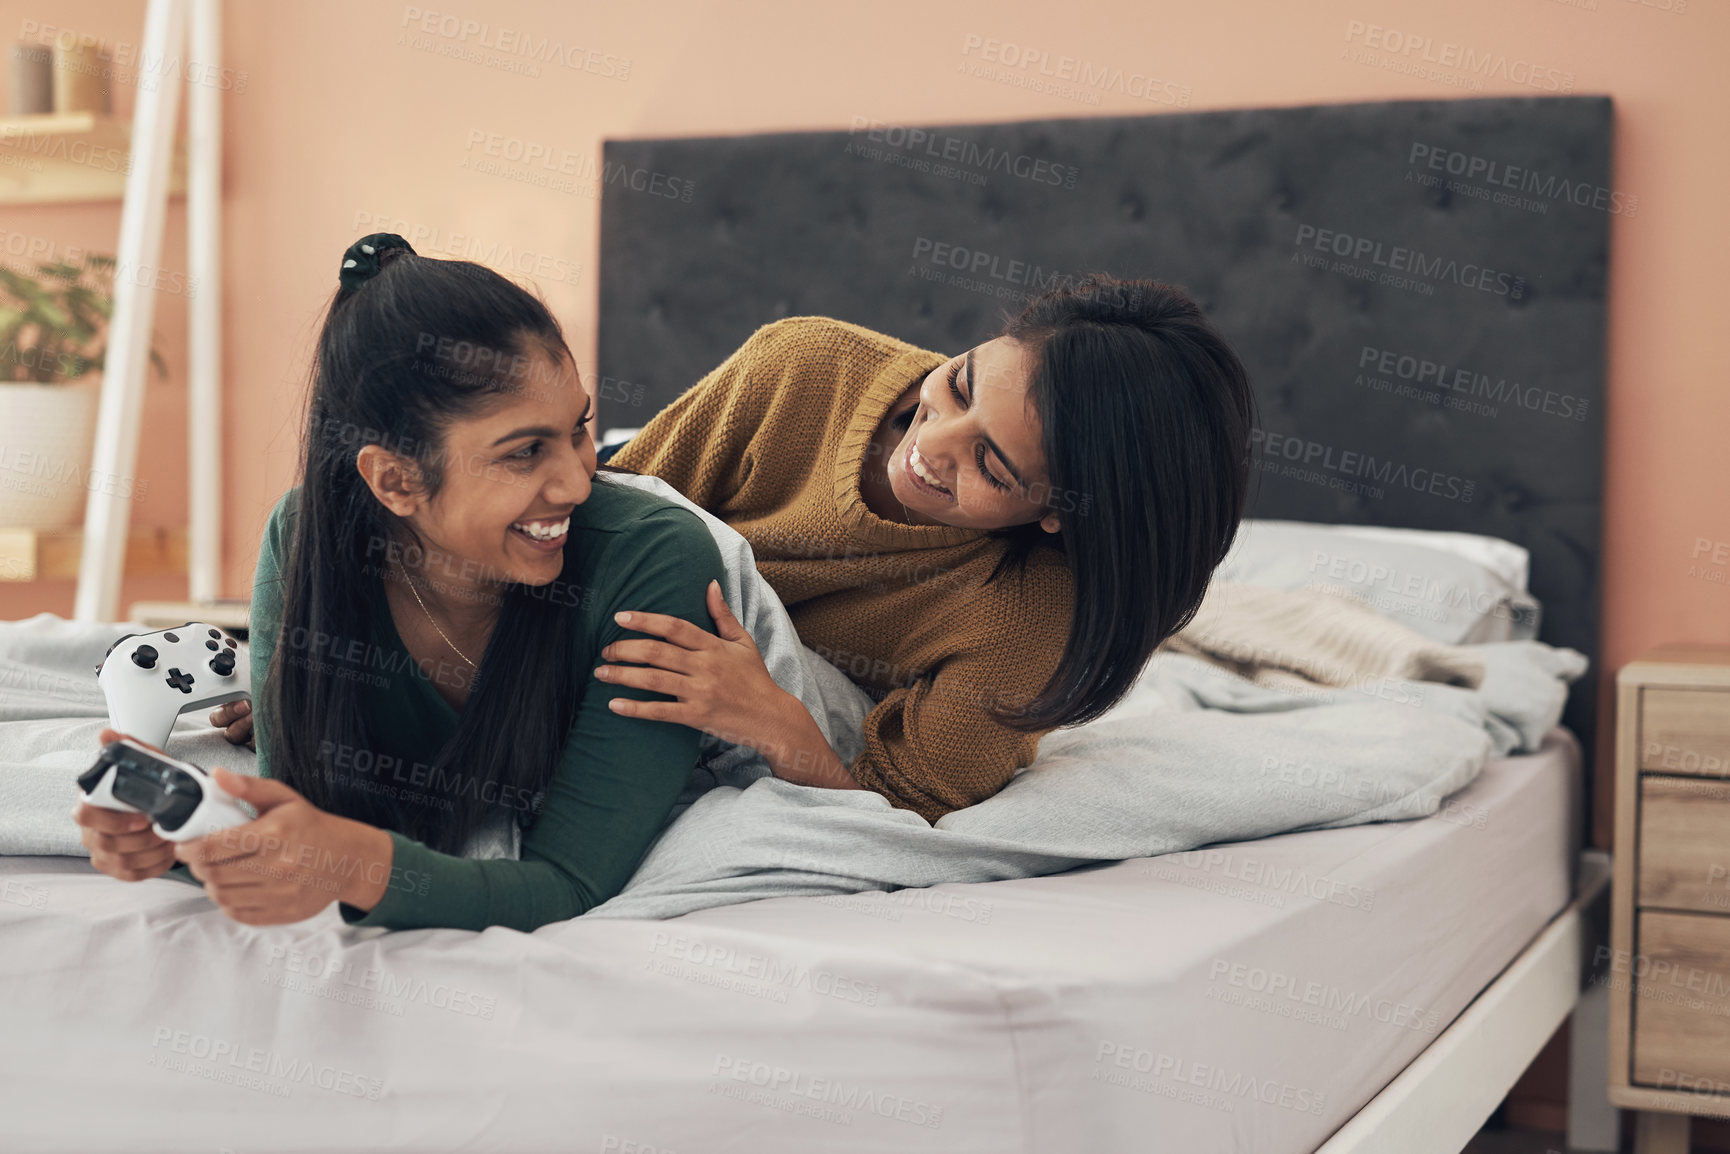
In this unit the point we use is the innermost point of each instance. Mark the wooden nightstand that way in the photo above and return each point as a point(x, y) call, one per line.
point(1669, 967)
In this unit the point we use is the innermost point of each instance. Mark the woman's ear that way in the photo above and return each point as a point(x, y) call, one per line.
point(394, 481)
point(1050, 523)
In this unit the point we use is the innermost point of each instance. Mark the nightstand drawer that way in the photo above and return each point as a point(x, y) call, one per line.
point(1685, 731)
point(1684, 844)
point(1682, 1003)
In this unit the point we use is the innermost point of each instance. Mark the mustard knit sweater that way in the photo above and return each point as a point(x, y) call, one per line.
point(772, 442)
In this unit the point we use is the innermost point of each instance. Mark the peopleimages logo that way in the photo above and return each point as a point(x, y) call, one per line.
point(1227, 1087)
point(167, 1043)
point(59, 147)
point(971, 264)
point(513, 42)
point(1422, 372)
point(546, 166)
point(1512, 176)
point(796, 1084)
point(334, 968)
point(54, 474)
point(428, 240)
point(959, 150)
point(128, 64)
point(1069, 75)
point(1328, 998)
point(1355, 464)
point(1285, 879)
point(757, 974)
point(1479, 65)
point(1398, 258)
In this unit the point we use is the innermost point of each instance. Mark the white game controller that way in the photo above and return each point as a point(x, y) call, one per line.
point(180, 799)
point(150, 679)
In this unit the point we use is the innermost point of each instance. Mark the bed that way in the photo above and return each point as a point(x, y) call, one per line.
point(1195, 1001)
point(1233, 204)
point(1175, 997)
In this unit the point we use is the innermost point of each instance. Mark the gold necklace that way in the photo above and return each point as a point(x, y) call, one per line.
point(435, 623)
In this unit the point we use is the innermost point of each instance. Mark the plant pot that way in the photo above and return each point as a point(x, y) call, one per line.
point(47, 433)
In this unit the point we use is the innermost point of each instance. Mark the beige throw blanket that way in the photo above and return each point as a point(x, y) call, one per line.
point(1314, 637)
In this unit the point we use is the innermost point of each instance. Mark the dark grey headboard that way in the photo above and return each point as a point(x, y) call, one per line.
point(1417, 288)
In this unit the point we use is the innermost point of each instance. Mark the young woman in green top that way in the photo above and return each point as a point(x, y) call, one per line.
point(425, 630)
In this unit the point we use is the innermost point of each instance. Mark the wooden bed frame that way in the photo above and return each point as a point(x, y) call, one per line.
point(1442, 1098)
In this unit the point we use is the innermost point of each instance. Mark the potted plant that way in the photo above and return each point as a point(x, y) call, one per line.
point(53, 338)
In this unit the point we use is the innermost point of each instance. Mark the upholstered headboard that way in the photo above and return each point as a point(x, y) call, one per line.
point(1417, 288)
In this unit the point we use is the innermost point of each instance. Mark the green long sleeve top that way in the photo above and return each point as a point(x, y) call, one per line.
point(618, 776)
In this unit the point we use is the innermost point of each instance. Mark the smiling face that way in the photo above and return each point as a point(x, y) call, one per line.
point(972, 456)
point(512, 476)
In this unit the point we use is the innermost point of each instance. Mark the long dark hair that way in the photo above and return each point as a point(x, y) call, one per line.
point(1146, 415)
point(401, 356)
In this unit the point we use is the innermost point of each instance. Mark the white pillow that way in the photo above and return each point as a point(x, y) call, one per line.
point(1511, 562)
point(1456, 588)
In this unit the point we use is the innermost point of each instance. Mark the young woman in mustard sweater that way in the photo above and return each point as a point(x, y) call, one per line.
point(993, 543)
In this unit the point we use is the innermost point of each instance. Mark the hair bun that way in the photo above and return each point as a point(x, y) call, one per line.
point(362, 259)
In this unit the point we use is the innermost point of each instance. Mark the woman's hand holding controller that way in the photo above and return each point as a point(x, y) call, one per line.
point(288, 864)
point(235, 721)
point(122, 844)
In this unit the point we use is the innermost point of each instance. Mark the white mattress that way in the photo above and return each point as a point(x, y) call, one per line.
point(1247, 997)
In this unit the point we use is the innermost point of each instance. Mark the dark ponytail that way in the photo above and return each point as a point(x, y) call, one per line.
point(1147, 415)
point(409, 346)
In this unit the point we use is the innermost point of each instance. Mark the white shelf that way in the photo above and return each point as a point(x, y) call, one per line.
point(67, 157)
point(54, 554)
point(232, 614)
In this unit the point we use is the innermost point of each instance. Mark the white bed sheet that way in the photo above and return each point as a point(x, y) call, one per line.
point(1114, 1008)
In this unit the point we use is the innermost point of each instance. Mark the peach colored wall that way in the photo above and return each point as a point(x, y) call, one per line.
point(353, 120)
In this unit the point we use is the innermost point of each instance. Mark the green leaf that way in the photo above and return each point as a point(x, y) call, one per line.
point(62, 313)
point(105, 306)
point(18, 284)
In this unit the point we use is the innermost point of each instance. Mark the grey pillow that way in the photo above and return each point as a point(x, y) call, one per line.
point(1437, 590)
